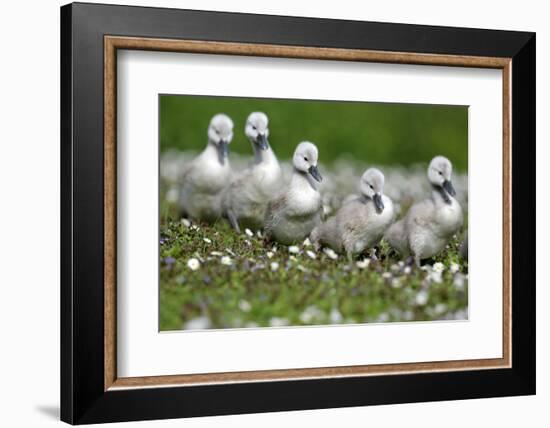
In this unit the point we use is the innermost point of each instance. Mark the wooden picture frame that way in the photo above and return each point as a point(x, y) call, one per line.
point(91, 390)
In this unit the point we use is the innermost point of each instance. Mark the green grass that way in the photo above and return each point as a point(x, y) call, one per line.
point(301, 291)
point(379, 133)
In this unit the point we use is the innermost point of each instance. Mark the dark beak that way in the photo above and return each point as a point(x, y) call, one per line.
point(261, 141)
point(377, 199)
point(448, 186)
point(223, 151)
point(315, 173)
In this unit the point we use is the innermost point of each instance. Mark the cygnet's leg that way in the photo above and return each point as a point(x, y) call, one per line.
point(315, 237)
point(417, 261)
point(183, 212)
point(348, 249)
point(233, 221)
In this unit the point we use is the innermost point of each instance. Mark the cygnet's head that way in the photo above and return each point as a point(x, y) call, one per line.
point(305, 159)
point(220, 133)
point(372, 187)
point(256, 129)
point(439, 174)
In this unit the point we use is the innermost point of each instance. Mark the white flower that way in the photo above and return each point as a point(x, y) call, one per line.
point(454, 268)
point(278, 322)
point(363, 264)
point(244, 305)
point(208, 241)
point(306, 242)
point(199, 323)
point(247, 242)
point(228, 250)
point(172, 195)
point(396, 283)
point(383, 317)
point(311, 254)
point(386, 275)
point(438, 267)
point(335, 316)
point(435, 276)
point(274, 266)
point(310, 314)
point(226, 260)
point(249, 232)
point(408, 315)
point(458, 281)
point(302, 269)
point(461, 314)
point(185, 222)
point(216, 253)
point(330, 253)
point(407, 270)
point(193, 264)
point(421, 298)
point(440, 308)
point(269, 254)
point(293, 249)
point(195, 227)
point(259, 234)
point(251, 324)
point(293, 258)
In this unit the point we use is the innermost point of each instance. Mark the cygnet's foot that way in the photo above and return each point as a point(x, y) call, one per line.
point(409, 261)
point(233, 221)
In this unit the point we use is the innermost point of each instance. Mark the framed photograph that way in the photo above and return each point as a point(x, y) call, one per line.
point(265, 213)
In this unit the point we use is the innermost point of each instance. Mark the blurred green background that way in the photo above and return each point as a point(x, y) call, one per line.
point(377, 133)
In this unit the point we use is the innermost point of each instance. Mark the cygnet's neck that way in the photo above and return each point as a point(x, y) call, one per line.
point(365, 199)
point(263, 156)
point(439, 195)
point(299, 178)
point(211, 153)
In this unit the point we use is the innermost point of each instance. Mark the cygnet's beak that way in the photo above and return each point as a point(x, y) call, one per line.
point(448, 186)
point(315, 173)
point(377, 199)
point(261, 141)
point(223, 150)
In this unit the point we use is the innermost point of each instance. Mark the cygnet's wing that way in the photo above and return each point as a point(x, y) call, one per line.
point(421, 214)
point(352, 219)
point(420, 220)
point(231, 192)
point(327, 234)
point(274, 211)
point(188, 175)
point(396, 235)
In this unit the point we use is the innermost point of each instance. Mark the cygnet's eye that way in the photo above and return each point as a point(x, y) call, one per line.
point(305, 158)
point(217, 132)
point(370, 185)
point(440, 173)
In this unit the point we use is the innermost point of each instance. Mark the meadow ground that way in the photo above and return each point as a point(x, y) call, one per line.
point(210, 277)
